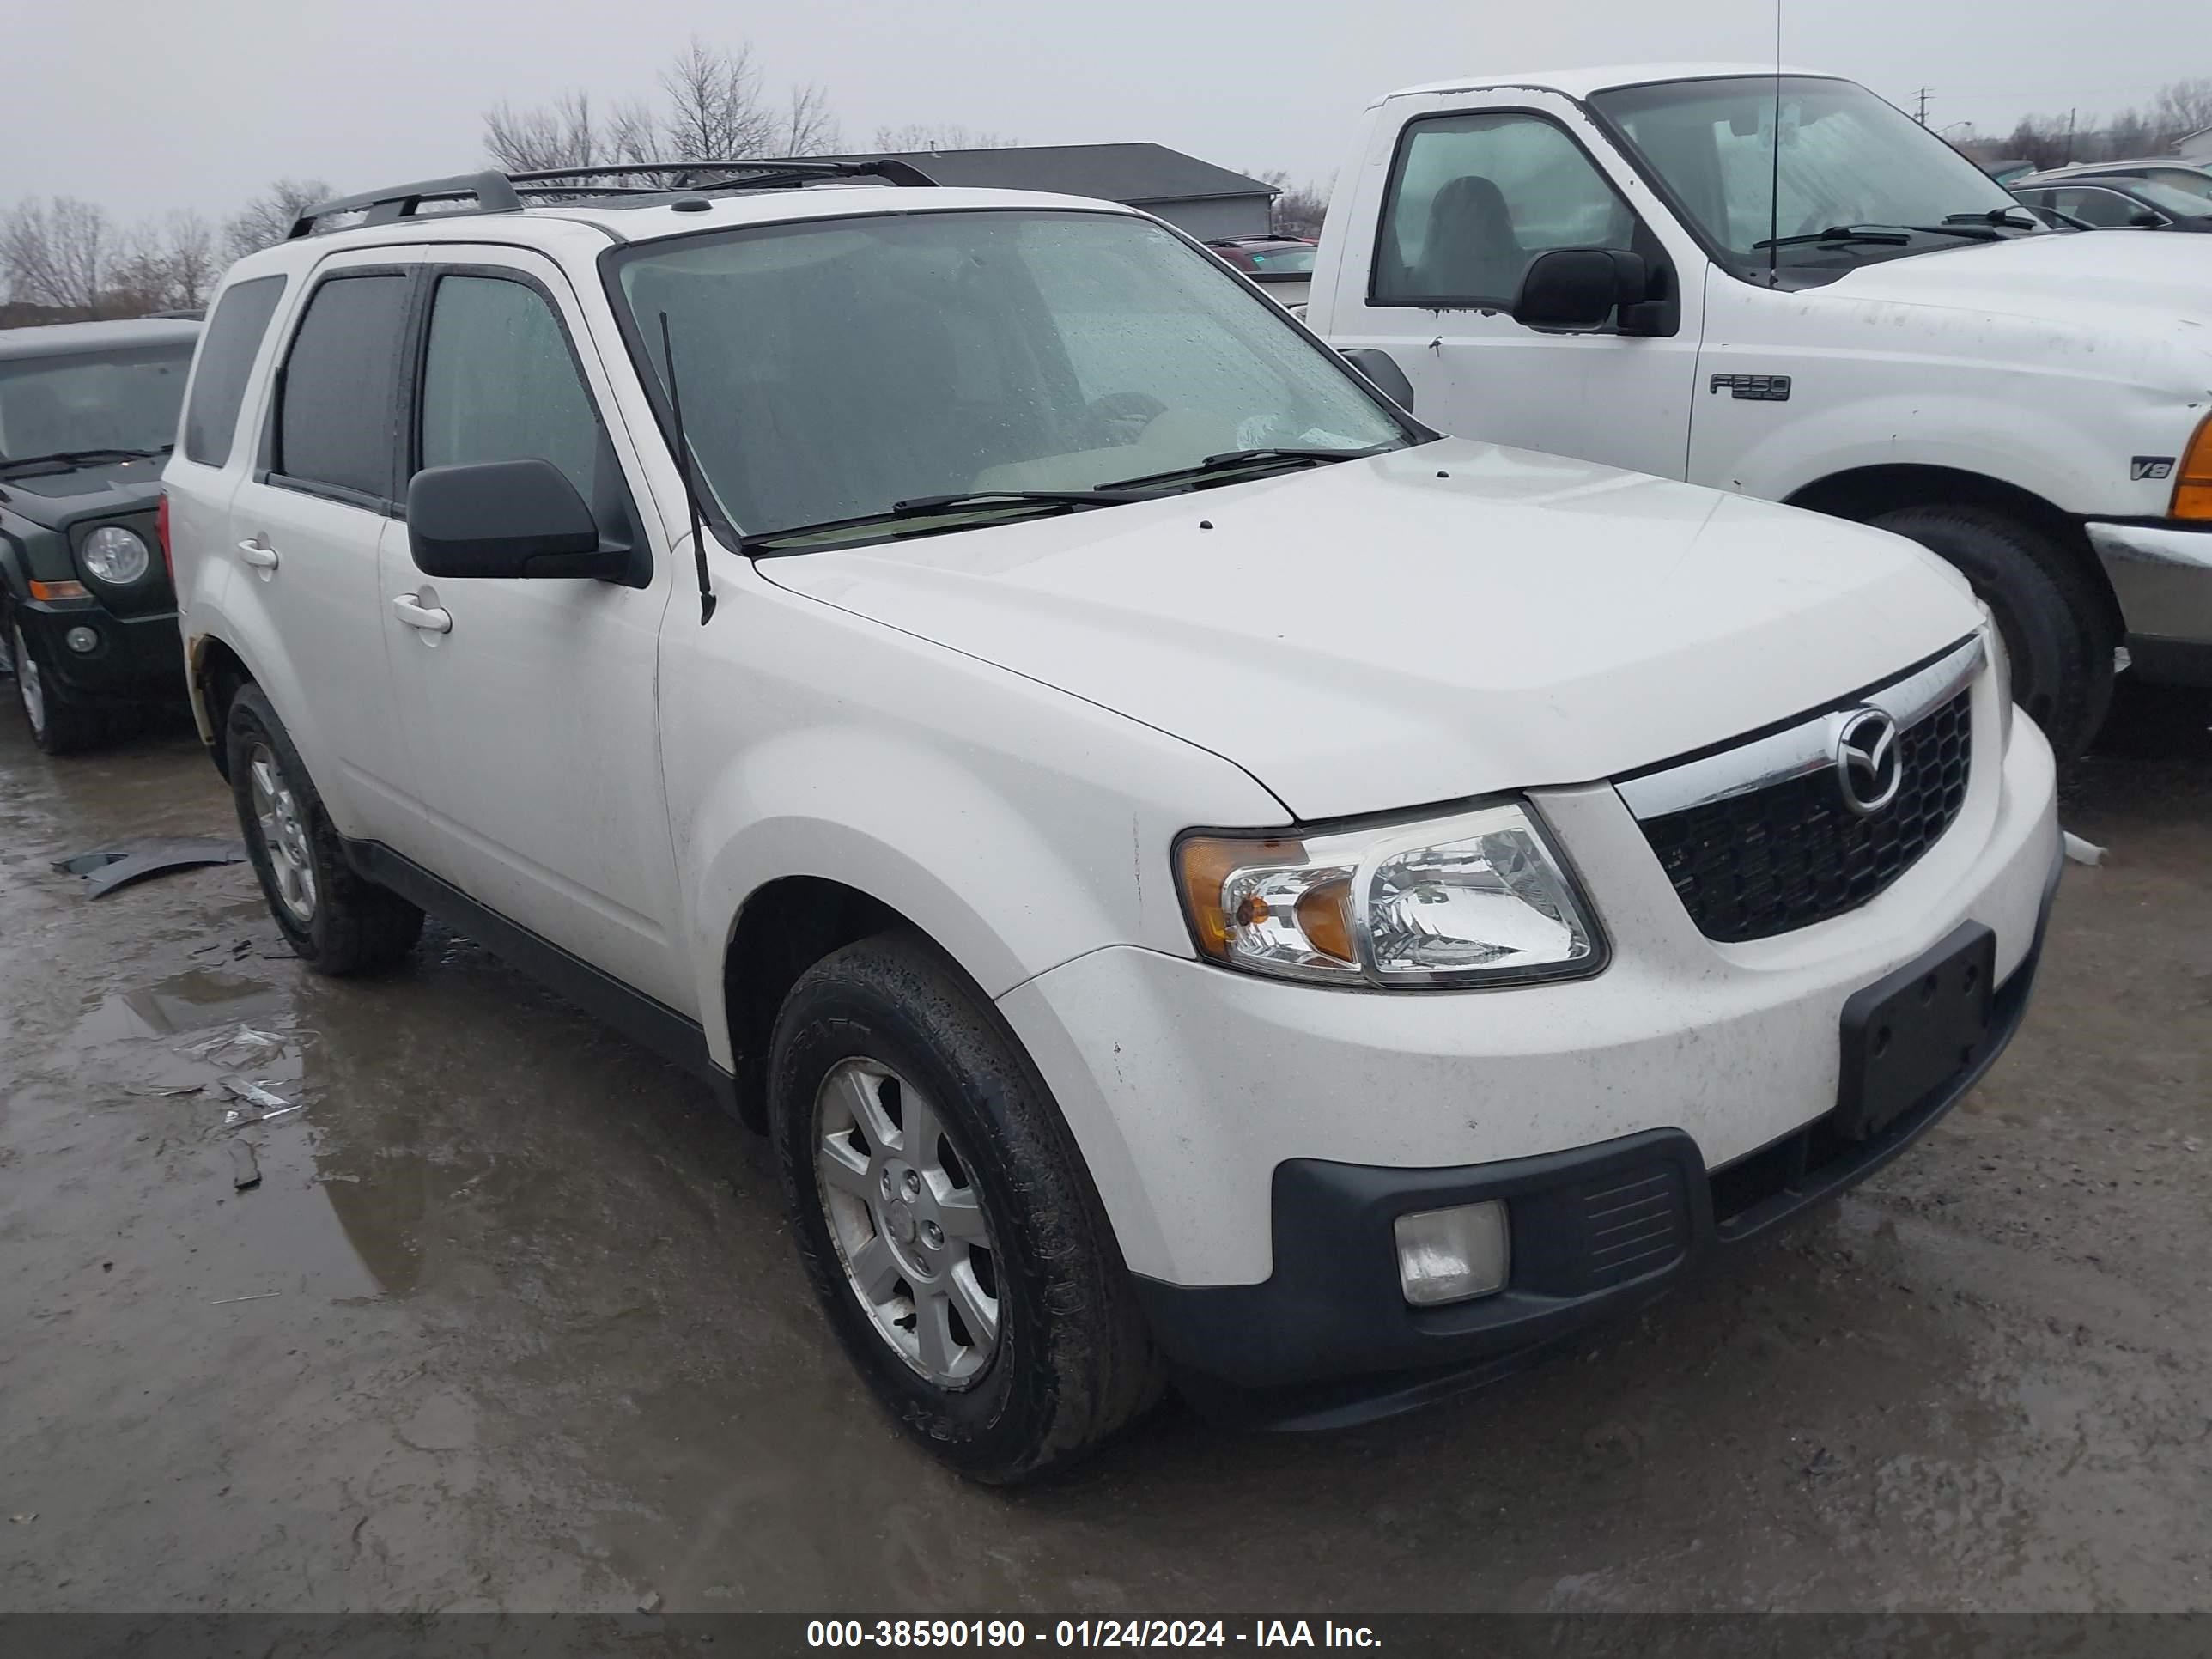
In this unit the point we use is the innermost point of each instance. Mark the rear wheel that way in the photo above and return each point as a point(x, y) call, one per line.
point(60, 722)
point(945, 1219)
point(2055, 626)
point(338, 921)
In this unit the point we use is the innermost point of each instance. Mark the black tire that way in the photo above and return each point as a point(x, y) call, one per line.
point(351, 926)
point(1072, 1360)
point(59, 722)
point(2055, 626)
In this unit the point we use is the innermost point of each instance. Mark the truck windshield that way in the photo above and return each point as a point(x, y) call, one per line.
point(63, 405)
point(833, 369)
point(1846, 158)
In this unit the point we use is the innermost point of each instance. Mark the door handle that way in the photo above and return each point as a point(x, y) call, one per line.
point(431, 619)
point(260, 557)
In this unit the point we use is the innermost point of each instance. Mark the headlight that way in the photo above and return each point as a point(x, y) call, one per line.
point(2000, 673)
point(1478, 899)
point(115, 555)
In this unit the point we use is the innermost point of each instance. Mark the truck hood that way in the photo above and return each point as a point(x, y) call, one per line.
point(2156, 289)
point(1436, 623)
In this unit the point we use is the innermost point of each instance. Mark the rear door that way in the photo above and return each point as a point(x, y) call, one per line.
point(533, 707)
point(306, 528)
point(1471, 191)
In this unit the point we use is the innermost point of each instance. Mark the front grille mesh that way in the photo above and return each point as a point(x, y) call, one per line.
point(1792, 853)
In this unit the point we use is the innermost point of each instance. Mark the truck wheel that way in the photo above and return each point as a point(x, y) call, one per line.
point(338, 922)
point(946, 1217)
point(2054, 629)
point(60, 722)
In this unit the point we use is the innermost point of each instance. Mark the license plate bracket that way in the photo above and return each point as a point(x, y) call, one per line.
point(1914, 1029)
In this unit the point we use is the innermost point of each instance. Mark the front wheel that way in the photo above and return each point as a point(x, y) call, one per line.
point(945, 1219)
point(335, 919)
point(60, 722)
point(2055, 629)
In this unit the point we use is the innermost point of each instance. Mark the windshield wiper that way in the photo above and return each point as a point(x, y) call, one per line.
point(2011, 218)
point(931, 507)
point(1894, 235)
point(80, 457)
point(1236, 459)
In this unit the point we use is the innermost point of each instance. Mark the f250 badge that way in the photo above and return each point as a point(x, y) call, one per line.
point(1753, 388)
point(2150, 466)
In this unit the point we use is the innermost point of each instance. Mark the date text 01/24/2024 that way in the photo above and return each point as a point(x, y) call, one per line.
point(940, 1633)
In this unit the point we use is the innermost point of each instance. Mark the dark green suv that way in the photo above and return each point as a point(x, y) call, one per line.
point(88, 618)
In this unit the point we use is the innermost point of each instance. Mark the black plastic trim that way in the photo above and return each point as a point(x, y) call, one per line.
point(1328, 1340)
point(2171, 662)
point(646, 1021)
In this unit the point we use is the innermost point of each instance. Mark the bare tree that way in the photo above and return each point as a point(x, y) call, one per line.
point(1296, 211)
point(714, 110)
point(2183, 107)
point(938, 135)
point(57, 253)
point(267, 219)
point(808, 128)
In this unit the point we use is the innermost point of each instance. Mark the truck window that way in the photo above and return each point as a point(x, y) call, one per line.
point(1475, 198)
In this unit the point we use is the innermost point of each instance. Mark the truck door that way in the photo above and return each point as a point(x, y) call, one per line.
point(1459, 196)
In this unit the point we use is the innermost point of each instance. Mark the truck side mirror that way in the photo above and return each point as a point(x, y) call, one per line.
point(1581, 288)
point(2145, 219)
point(505, 518)
point(1382, 372)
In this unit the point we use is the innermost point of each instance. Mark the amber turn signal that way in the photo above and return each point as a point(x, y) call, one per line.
point(2192, 484)
point(1205, 864)
point(60, 591)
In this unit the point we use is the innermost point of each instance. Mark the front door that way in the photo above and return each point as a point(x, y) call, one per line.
point(535, 702)
point(1472, 195)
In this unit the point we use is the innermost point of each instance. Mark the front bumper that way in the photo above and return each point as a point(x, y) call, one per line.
point(2161, 575)
point(1598, 1232)
point(137, 660)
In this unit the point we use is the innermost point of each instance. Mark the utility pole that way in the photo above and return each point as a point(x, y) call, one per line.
point(1922, 117)
point(2069, 137)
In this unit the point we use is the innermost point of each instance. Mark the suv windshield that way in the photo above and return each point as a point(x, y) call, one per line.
point(834, 370)
point(115, 400)
point(1846, 159)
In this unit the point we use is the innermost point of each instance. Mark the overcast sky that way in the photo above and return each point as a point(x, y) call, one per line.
point(143, 107)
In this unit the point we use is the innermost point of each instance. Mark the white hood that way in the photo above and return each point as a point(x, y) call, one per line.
point(2152, 290)
point(1372, 635)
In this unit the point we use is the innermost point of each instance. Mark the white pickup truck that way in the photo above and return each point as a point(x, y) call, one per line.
point(1624, 265)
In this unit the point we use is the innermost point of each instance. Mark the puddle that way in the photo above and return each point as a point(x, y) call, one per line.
point(188, 1002)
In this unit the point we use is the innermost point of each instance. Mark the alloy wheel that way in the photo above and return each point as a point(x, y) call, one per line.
point(283, 834)
point(907, 1221)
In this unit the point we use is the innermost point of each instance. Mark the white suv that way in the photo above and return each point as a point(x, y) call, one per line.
point(1201, 877)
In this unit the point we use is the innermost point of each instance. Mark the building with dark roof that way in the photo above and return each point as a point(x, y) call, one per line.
point(1207, 201)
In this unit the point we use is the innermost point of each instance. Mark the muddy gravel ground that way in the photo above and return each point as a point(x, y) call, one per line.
point(510, 1320)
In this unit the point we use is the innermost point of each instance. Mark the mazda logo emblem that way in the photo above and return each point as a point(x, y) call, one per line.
point(1866, 770)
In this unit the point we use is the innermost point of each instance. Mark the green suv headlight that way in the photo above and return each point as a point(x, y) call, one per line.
point(115, 555)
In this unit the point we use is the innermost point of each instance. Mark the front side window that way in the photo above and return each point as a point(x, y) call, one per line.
point(115, 400)
point(499, 383)
point(336, 425)
point(1475, 198)
point(227, 354)
point(1846, 159)
point(2107, 209)
point(834, 370)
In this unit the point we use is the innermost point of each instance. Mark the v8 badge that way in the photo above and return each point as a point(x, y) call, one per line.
point(2150, 466)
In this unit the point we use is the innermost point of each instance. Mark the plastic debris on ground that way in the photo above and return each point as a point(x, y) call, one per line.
point(2083, 851)
point(245, 1168)
point(108, 868)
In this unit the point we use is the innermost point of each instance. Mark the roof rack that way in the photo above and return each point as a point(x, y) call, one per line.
point(504, 192)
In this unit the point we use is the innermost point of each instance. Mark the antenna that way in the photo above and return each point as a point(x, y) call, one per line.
point(683, 468)
point(1774, 173)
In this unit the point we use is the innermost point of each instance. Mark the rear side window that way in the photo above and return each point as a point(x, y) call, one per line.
point(226, 353)
point(1476, 197)
point(336, 424)
point(499, 383)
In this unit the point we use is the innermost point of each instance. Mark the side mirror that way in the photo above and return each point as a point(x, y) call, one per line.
point(1580, 287)
point(2145, 219)
point(1382, 372)
point(505, 518)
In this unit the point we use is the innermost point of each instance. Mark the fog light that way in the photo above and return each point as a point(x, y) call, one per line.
point(1449, 1255)
point(81, 640)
